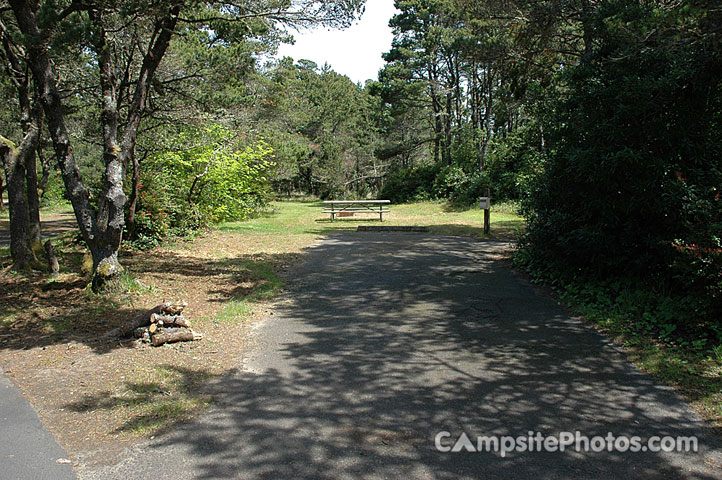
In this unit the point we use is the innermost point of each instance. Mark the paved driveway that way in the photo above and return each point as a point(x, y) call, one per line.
point(384, 340)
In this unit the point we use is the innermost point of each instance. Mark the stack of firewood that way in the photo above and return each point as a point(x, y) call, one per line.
point(162, 324)
point(166, 324)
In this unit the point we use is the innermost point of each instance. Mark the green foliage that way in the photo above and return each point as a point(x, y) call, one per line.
point(214, 179)
point(54, 192)
point(513, 163)
point(434, 182)
point(628, 307)
point(320, 126)
point(410, 184)
point(631, 182)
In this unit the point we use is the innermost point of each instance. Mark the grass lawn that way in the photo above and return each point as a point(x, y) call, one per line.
point(298, 222)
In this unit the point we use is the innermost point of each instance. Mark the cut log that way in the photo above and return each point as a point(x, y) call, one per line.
point(142, 334)
point(170, 335)
point(174, 308)
point(143, 320)
point(170, 320)
point(153, 328)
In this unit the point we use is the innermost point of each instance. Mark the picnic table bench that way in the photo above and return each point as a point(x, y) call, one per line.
point(344, 208)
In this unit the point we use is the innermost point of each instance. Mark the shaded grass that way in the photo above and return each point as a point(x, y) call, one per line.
point(158, 397)
point(696, 374)
point(698, 378)
point(263, 285)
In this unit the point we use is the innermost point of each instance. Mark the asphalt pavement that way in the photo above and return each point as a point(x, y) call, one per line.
point(383, 341)
point(27, 449)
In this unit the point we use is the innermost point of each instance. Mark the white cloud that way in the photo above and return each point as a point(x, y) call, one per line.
point(356, 51)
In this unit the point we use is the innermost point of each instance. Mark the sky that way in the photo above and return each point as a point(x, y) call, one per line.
point(356, 51)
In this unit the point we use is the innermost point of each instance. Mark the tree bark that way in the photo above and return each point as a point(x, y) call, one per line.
point(46, 86)
point(19, 164)
point(45, 168)
point(102, 229)
point(31, 185)
point(447, 129)
point(169, 320)
point(134, 193)
point(171, 335)
point(14, 160)
point(2, 191)
point(436, 111)
point(144, 319)
point(487, 119)
point(53, 265)
point(111, 215)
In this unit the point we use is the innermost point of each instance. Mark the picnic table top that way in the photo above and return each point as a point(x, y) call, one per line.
point(356, 201)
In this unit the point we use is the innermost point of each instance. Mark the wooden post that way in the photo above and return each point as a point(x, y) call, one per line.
point(485, 203)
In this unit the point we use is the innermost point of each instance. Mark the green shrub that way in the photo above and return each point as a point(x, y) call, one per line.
point(410, 184)
point(449, 181)
point(216, 181)
point(631, 184)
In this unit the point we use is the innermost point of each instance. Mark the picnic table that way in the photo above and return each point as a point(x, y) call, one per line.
point(343, 208)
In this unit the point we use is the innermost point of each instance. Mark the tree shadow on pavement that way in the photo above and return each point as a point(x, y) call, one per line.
point(386, 340)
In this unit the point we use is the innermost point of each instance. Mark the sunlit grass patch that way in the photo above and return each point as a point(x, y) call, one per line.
point(234, 311)
point(294, 218)
point(259, 283)
point(158, 397)
point(159, 414)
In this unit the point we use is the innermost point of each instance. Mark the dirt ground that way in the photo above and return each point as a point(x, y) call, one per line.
point(98, 397)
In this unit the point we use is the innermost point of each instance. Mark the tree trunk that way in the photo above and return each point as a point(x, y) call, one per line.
point(53, 265)
point(436, 111)
point(31, 184)
point(45, 168)
point(487, 119)
point(17, 201)
point(447, 130)
point(102, 229)
point(46, 85)
point(2, 191)
point(14, 160)
point(19, 163)
point(134, 193)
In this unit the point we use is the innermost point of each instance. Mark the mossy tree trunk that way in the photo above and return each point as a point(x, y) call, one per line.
point(102, 228)
point(14, 160)
point(19, 163)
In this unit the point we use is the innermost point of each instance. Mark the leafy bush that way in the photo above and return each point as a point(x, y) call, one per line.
point(514, 161)
point(410, 184)
point(186, 189)
point(450, 180)
point(631, 185)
